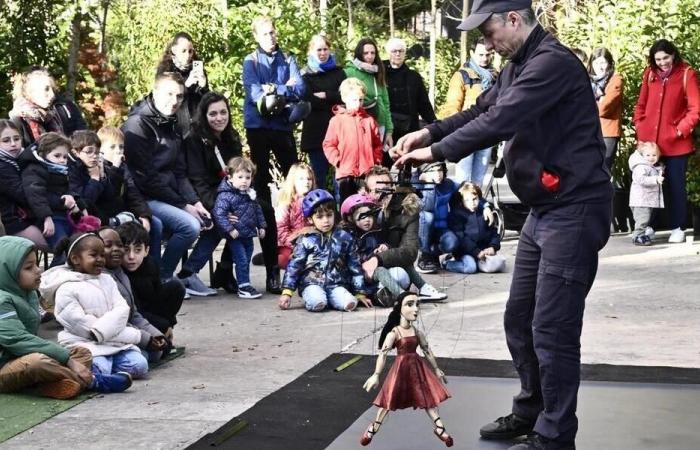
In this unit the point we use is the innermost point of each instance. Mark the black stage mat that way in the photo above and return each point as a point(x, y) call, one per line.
point(316, 408)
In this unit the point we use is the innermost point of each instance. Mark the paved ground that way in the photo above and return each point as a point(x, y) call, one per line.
point(644, 309)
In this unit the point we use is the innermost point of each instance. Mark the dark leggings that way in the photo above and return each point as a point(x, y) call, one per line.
point(610, 151)
point(676, 167)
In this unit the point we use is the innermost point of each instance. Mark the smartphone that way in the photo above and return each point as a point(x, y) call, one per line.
point(198, 66)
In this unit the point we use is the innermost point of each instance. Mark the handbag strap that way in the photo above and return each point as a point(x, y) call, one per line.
point(218, 156)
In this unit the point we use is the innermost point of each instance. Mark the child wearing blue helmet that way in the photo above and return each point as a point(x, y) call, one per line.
point(325, 265)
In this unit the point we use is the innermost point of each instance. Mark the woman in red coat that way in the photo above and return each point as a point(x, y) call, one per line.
point(667, 111)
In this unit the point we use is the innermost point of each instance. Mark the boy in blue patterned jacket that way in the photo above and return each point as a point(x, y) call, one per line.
point(235, 196)
point(325, 265)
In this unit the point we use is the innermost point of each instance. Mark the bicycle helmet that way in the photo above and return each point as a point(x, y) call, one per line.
point(271, 105)
point(355, 201)
point(313, 199)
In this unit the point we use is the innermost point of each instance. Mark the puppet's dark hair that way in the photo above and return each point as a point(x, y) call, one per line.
point(394, 316)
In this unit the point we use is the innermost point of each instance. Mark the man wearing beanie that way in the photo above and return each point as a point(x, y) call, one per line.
point(543, 106)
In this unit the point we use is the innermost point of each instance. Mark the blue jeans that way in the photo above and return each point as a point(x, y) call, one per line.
point(202, 251)
point(184, 229)
point(319, 164)
point(129, 361)
point(61, 229)
point(241, 253)
point(316, 298)
point(473, 167)
point(156, 236)
point(449, 243)
point(425, 232)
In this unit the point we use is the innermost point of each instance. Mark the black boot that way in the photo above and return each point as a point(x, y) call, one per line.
point(273, 284)
point(223, 277)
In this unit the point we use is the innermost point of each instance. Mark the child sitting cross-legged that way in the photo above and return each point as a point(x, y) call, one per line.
point(471, 244)
point(236, 197)
point(157, 301)
point(325, 265)
point(153, 342)
point(27, 360)
point(90, 308)
point(359, 212)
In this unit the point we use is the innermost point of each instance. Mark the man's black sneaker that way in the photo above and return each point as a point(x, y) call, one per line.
point(273, 284)
point(508, 427)
point(426, 264)
point(536, 442)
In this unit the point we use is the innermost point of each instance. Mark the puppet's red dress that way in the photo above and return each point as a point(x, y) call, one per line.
point(411, 382)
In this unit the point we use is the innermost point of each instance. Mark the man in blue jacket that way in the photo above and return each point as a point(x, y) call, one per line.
point(270, 78)
point(543, 106)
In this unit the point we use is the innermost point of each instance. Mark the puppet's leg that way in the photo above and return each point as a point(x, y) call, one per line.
point(374, 426)
point(439, 427)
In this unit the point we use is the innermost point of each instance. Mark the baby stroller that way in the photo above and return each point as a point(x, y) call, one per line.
point(509, 212)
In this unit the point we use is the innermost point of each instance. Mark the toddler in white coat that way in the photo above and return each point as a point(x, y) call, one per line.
point(90, 308)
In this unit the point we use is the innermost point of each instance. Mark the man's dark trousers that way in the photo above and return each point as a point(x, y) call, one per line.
point(555, 265)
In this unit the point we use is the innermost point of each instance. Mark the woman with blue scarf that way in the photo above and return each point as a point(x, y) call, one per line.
point(322, 78)
point(473, 78)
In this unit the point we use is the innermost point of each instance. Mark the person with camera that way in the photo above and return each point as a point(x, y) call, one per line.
point(543, 105)
point(153, 155)
point(271, 79)
point(180, 57)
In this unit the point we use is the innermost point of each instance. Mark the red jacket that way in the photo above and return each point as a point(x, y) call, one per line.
point(289, 221)
point(666, 109)
point(352, 144)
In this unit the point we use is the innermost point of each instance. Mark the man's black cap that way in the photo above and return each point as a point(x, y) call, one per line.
point(483, 9)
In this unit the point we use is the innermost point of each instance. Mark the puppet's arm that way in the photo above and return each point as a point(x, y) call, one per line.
point(373, 381)
point(430, 357)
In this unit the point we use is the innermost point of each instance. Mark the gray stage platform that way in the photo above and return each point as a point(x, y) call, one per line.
point(612, 416)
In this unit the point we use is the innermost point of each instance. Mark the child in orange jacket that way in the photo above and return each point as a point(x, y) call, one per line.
point(352, 143)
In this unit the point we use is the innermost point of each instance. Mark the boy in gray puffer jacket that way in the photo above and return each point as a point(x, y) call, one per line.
point(645, 193)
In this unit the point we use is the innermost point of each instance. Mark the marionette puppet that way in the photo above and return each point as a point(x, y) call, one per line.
point(411, 382)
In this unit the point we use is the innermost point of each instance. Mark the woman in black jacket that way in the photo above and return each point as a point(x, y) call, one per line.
point(322, 78)
point(408, 97)
point(180, 57)
point(37, 109)
point(208, 148)
point(14, 208)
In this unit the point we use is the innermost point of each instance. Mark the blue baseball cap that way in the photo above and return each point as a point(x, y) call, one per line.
point(483, 9)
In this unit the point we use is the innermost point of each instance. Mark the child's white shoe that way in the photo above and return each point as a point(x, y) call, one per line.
point(649, 231)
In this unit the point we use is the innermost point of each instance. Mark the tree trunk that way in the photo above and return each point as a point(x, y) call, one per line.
point(351, 31)
point(103, 27)
point(391, 18)
point(433, 50)
point(323, 12)
point(74, 47)
point(463, 36)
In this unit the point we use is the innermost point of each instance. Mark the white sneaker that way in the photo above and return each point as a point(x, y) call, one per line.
point(677, 236)
point(649, 231)
point(428, 292)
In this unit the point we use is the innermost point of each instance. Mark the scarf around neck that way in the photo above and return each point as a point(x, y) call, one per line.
point(51, 167)
point(9, 159)
point(485, 75)
point(664, 74)
point(365, 67)
point(40, 120)
point(316, 66)
point(598, 84)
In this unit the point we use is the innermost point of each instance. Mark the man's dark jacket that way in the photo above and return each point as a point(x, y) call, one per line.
point(542, 103)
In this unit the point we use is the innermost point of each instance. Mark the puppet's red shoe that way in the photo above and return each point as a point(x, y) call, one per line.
point(369, 433)
point(442, 435)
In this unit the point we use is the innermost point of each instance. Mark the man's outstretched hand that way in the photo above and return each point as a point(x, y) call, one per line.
point(415, 157)
point(411, 141)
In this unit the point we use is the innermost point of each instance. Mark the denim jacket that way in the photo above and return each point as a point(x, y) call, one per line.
point(326, 261)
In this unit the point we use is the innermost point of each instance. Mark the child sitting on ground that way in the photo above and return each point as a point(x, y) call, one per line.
point(646, 192)
point(288, 215)
point(352, 144)
point(153, 342)
point(90, 308)
point(45, 183)
point(26, 359)
point(359, 212)
point(236, 197)
point(470, 244)
point(157, 302)
point(325, 265)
